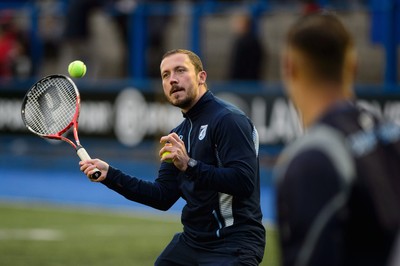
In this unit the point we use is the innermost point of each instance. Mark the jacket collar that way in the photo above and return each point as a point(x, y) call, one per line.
point(200, 106)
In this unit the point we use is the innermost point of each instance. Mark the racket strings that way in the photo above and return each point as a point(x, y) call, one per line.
point(50, 106)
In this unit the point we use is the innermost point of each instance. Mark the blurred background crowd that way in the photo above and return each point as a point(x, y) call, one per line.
point(238, 40)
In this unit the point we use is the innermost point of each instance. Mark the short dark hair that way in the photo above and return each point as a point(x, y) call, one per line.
point(325, 42)
point(194, 58)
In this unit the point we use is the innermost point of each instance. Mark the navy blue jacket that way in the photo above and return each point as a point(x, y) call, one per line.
point(222, 192)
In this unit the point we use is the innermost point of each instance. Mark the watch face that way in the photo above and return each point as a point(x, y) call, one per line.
point(192, 163)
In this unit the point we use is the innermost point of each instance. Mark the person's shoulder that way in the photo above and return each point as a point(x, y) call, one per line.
point(223, 108)
point(320, 141)
point(321, 136)
point(228, 116)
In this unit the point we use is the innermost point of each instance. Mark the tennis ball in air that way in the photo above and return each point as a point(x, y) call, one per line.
point(168, 160)
point(77, 69)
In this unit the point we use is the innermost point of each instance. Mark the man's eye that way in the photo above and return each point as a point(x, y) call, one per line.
point(181, 70)
point(165, 75)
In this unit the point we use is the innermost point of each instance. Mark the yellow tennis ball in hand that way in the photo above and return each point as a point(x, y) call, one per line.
point(77, 69)
point(164, 154)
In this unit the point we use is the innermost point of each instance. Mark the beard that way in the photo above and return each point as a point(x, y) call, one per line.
point(181, 102)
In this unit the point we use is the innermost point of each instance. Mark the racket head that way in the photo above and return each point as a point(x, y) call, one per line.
point(51, 106)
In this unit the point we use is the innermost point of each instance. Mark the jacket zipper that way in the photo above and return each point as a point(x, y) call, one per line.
point(190, 131)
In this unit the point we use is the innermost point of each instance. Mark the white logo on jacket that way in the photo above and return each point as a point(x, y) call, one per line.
point(203, 131)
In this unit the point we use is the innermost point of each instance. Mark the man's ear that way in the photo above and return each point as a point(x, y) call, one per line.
point(354, 67)
point(350, 67)
point(288, 66)
point(202, 77)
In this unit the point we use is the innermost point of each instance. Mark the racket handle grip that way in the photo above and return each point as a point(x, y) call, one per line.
point(82, 153)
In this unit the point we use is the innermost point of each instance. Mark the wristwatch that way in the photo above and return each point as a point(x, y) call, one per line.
point(190, 173)
point(191, 163)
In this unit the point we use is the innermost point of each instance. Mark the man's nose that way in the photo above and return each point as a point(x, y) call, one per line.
point(173, 79)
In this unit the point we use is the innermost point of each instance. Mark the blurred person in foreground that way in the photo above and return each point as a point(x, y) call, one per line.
point(215, 169)
point(338, 186)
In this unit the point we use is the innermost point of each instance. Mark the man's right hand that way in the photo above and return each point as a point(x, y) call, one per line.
point(88, 167)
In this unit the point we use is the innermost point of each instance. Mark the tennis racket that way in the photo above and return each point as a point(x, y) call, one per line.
point(50, 108)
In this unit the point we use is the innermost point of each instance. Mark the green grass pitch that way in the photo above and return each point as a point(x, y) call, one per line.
point(51, 235)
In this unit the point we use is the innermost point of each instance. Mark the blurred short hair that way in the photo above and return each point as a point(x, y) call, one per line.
point(325, 42)
point(194, 58)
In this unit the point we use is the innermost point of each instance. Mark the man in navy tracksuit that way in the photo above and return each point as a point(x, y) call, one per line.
point(338, 186)
point(215, 168)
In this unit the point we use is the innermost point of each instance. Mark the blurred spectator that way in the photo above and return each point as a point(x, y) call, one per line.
point(155, 38)
point(51, 25)
point(123, 9)
point(310, 6)
point(248, 55)
point(156, 41)
point(155, 31)
point(77, 35)
point(14, 61)
point(104, 41)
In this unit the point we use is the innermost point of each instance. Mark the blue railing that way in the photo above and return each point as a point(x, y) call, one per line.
point(386, 31)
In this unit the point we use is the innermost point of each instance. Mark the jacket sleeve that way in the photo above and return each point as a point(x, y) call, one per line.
point(160, 194)
point(237, 171)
